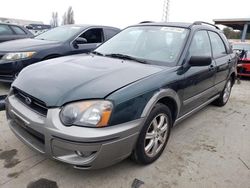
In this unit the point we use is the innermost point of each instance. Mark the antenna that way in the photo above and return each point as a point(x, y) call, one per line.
point(165, 15)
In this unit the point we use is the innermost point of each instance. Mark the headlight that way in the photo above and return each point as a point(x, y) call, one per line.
point(17, 56)
point(94, 113)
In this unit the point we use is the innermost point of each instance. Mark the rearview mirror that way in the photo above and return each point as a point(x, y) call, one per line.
point(200, 61)
point(81, 40)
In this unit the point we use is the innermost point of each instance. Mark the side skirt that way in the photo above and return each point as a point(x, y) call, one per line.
point(180, 119)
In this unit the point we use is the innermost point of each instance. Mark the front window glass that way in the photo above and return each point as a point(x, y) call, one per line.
point(60, 34)
point(93, 36)
point(155, 44)
point(200, 45)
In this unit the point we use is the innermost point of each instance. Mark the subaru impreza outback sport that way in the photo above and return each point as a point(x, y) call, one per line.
point(94, 110)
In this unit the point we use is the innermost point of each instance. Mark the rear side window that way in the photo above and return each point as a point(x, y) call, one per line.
point(93, 35)
point(218, 45)
point(200, 45)
point(18, 30)
point(110, 33)
point(5, 30)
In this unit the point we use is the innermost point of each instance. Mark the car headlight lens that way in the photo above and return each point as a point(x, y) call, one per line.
point(17, 56)
point(94, 113)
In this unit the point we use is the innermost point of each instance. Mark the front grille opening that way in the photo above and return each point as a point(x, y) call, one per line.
point(40, 137)
point(33, 103)
point(31, 132)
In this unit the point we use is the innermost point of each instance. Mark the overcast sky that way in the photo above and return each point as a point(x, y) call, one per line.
point(121, 13)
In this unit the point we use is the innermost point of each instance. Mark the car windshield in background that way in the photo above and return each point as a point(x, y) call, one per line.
point(154, 44)
point(59, 33)
point(241, 47)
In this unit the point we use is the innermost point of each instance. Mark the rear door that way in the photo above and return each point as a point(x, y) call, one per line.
point(93, 36)
point(222, 59)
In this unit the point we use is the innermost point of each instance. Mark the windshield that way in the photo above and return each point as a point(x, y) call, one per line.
point(59, 34)
point(155, 44)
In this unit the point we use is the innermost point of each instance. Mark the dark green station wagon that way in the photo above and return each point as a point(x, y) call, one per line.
point(94, 110)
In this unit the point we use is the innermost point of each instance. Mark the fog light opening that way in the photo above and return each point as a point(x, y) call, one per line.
point(84, 154)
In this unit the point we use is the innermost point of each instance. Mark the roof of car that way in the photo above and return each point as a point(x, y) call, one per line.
point(87, 25)
point(3, 23)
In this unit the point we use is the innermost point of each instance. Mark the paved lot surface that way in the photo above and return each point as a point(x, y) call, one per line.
point(210, 149)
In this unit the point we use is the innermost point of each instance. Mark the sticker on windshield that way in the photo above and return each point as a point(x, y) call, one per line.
point(75, 28)
point(173, 29)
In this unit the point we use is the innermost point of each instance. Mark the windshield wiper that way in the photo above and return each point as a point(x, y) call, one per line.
point(97, 53)
point(126, 57)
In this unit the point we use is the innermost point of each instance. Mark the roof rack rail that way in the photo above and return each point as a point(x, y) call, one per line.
point(146, 22)
point(206, 23)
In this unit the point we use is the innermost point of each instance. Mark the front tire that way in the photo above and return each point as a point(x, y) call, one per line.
point(225, 94)
point(154, 135)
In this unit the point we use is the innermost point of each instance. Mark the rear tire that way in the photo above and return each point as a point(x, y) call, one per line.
point(225, 94)
point(154, 135)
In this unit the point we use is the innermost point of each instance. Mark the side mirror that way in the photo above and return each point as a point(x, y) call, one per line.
point(29, 27)
point(81, 40)
point(196, 61)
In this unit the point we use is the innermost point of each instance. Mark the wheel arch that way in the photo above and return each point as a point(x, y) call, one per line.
point(167, 97)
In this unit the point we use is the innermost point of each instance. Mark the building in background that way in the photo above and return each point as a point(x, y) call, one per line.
point(241, 24)
point(19, 21)
point(36, 27)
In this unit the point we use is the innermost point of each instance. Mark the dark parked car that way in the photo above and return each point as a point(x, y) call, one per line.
point(12, 32)
point(123, 99)
point(60, 41)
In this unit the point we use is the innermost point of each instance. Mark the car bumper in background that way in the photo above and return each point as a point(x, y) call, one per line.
point(82, 147)
point(9, 70)
point(243, 69)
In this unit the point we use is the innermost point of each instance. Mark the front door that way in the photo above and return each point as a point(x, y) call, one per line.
point(199, 80)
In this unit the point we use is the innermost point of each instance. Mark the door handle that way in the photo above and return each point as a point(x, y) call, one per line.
point(211, 68)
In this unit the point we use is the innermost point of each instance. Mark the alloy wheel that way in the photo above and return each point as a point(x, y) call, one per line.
point(227, 91)
point(156, 135)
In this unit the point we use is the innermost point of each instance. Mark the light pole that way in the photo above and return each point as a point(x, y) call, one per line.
point(165, 15)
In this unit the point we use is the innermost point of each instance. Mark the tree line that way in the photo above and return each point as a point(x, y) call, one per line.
point(67, 18)
point(232, 34)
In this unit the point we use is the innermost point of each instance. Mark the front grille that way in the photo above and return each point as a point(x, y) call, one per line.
point(33, 103)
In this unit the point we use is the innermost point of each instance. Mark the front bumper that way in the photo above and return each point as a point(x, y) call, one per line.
point(10, 69)
point(82, 147)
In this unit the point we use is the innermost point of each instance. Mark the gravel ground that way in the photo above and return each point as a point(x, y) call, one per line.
point(209, 149)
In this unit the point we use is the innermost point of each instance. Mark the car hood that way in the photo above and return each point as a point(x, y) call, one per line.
point(25, 45)
point(62, 80)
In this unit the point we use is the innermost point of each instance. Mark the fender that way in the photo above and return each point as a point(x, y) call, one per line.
point(160, 95)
